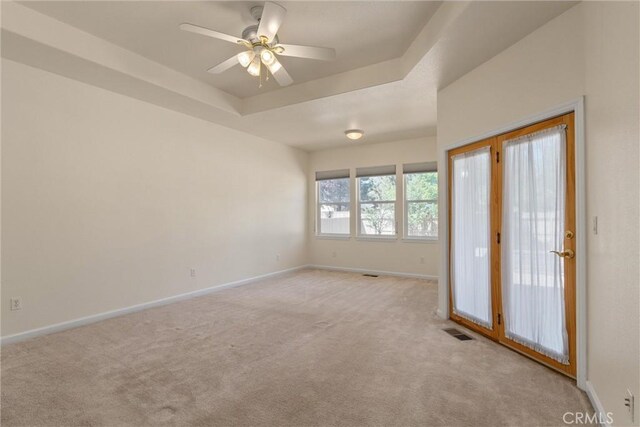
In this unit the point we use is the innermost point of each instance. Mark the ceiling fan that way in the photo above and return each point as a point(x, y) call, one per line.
point(263, 46)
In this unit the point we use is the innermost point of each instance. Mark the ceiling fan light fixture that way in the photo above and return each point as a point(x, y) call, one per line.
point(267, 56)
point(245, 58)
point(262, 46)
point(254, 67)
point(354, 134)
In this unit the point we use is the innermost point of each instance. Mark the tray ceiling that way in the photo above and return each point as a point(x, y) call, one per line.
point(363, 33)
point(135, 48)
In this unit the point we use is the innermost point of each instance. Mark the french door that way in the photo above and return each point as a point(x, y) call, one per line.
point(512, 240)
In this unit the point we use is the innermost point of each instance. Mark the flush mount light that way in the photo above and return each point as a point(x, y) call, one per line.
point(354, 134)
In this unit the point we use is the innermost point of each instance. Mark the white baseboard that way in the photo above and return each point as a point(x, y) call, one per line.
point(131, 309)
point(380, 273)
point(597, 405)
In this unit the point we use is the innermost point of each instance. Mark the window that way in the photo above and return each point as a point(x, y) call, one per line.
point(377, 201)
point(421, 201)
point(333, 205)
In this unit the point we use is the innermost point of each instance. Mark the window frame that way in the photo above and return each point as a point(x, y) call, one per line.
point(405, 206)
point(319, 203)
point(359, 202)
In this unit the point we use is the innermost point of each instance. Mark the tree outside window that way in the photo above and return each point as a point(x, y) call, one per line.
point(421, 204)
point(377, 205)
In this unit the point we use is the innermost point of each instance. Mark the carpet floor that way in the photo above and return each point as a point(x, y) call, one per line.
point(309, 348)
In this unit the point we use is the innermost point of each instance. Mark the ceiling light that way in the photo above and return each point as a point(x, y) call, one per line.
point(245, 58)
point(354, 134)
point(254, 67)
point(267, 57)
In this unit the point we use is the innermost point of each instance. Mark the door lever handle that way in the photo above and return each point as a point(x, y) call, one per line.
point(567, 253)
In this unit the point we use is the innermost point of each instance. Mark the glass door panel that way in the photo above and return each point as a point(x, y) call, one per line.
point(512, 219)
point(533, 227)
point(470, 236)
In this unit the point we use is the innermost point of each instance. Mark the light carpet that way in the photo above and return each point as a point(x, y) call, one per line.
point(309, 348)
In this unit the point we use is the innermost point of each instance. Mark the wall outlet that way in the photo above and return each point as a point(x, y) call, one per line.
point(594, 225)
point(16, 303)
point(629, 403)
point(192, 272)
point(333, 254)
point(277, 257)
point(421, 260)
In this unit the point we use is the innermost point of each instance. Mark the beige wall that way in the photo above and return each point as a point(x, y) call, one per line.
point(590, 50)
point(397, 256)
point(108, 202)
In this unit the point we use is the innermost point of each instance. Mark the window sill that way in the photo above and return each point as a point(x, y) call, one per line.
point(419, 240)
point(377, 239)
point(332, 237)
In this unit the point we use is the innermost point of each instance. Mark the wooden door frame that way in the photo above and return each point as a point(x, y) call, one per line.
point(576, 106)
point(568, 120)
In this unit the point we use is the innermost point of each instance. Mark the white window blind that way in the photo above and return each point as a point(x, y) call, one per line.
point(376, 171)
point(335, 174)
point(420, 167)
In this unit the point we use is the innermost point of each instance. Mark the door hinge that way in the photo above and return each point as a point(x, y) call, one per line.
point(497, 157)
point(498, 238)
point(499, 319)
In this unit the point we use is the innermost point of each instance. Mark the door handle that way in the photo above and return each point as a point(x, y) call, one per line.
point(567, 253)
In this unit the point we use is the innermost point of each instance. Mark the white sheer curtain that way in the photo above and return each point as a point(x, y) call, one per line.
point(470, 240)
point(533, 223)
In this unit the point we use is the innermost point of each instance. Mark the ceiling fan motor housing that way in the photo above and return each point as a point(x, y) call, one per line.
point(251, 34)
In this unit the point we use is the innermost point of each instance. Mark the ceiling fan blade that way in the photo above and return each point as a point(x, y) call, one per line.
point(224, 66)
point(310, 52)
point(279, 73)
point(272, 16)
point(209, 33)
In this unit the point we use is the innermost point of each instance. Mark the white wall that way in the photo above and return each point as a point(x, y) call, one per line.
point(397, 256)
point(109, 202)
point(612, 84)
point(590, 50)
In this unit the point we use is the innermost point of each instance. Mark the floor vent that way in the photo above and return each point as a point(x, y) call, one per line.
point(457, 334)
point(370, 275)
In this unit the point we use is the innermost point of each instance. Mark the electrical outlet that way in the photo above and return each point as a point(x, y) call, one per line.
point(192, 272)
point(277, 257)
point(421, 260)
point(594, 225)
point(333, 254)
point(629, 403)
point(16, 303)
